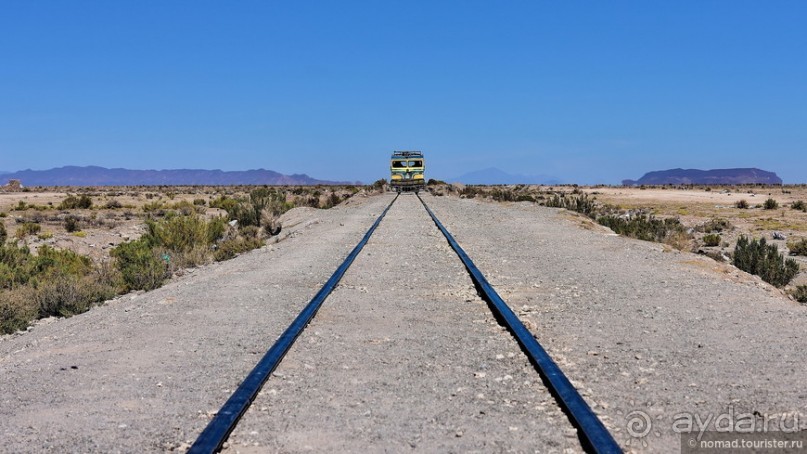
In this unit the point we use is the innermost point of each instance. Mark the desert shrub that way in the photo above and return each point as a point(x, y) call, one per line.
point(113, 205)
point(216, 228)
point(250, 231)
point(800, 293)
point(18, 266)
point(798, 247)
point(711, 240)
point(714, 226)
point(334, 199)
point(502, 195)
point(642, 226)
point(799, 205)
point(742, 204)
point(3, 214)
point(379, 184)
point(580, 203)
point(179, 233)
point(28, 228)
point(679, 239)
point(199, 202)
point(250, 211)
point(72, 202)
point(758, 257)
point(152, 207)
point(770, 204)
point(432, 182)
point(224, 203)
point(68, 295)
point(17, 309)
point(140, 266)
point(71, 224)
point(228, 249)
point(3, 233)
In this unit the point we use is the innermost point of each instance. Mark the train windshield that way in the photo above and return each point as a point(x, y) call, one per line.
point(398, 164)
point(415, 163)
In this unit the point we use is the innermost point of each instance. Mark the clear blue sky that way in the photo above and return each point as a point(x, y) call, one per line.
point(584, 91)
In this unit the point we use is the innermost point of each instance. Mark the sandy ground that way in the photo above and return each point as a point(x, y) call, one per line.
point(403, 356)
point(694, 207)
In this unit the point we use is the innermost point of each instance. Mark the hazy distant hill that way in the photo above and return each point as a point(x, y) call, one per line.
point(715, 176)
point(100, 176)
point(496, 176)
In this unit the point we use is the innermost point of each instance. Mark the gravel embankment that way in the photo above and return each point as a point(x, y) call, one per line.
point(638, 328)
point(140, 373)
point(404, 356)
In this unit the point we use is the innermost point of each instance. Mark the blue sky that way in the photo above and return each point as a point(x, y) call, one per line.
point(586, 91)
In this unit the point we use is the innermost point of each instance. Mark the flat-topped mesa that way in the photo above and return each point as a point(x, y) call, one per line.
point(714, 176)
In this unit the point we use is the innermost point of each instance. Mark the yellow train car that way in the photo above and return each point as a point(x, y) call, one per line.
point(407, 171)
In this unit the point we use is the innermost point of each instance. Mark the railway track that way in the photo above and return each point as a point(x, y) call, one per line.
point(593, 435)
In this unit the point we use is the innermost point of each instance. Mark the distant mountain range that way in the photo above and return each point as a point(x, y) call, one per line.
point(497, 176)
point(100, 176)
point(715, 176)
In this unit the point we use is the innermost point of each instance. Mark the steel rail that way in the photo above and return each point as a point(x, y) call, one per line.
point(594, 435)
point(219, 428)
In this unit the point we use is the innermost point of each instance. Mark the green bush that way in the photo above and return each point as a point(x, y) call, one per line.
point(72, 202)
point(224, 203)
point(714, 226)
point(742, 204)
point(199, 202)
point(228, 249)
point(762, 259)
point(800, 293)
point(140, 266)
point(113, 205)
point(643, 227)
point(70, 295)
point(28, 228)
point(179, 233)
point(52, 282)
point(3, 233)
point(17, 309)
point(71, 224)
point(798, 247)
point(250, 211)
point(711, 240)
point(799, 205)
point(580, 203)
point(770, 204)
